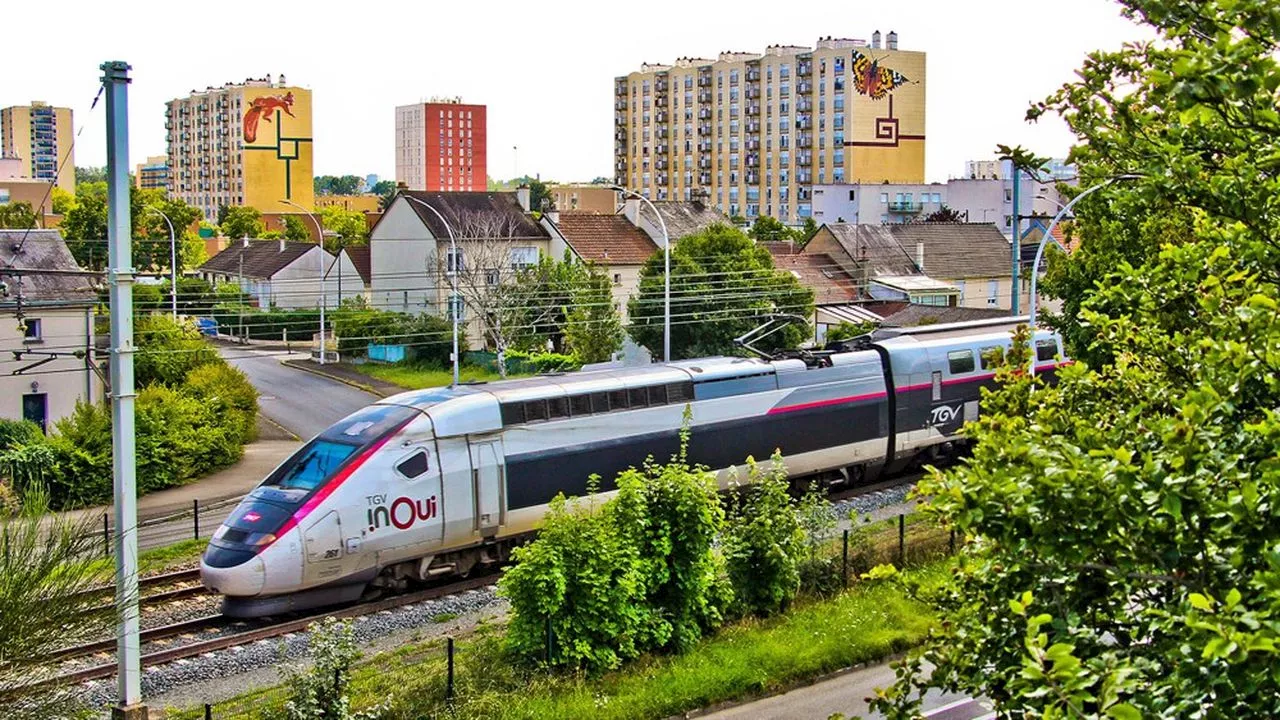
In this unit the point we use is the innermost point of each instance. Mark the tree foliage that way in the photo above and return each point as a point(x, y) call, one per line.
point(350, 226)
point(89, 174)
point(764, 542)
point(566, 304)
point(722, 285)
point(338, 184)
point(1122, 527)
point(84, 225)
point(18, 216)
point(295, 229)
point(944, 214)
point(241, 221)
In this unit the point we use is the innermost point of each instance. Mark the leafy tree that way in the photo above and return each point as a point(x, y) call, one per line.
point(807, 231)
point(539, 191)
point(764, 542)
point(338, 185)
point(90, 175)
point(847, 330)
point(1121, 526)
point(767, 229)
point(18, 216)
point(241, 221)
point(722, 285)
point(167, 351)
point(944, 214)
point(85, 228)
point(383, 188)
point(319, 691)
point(541, 301)
point(62, 201)
point(350, 225)
point(85, 223)
point(295, 229)
point(592, 329)
point(43, 582)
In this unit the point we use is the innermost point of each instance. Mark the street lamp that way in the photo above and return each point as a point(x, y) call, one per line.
point(173, 260)
point(453, 277)
point(666, 270)
point(1048, 235)
point(320, 243)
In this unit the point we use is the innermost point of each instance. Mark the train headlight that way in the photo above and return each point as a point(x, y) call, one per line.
point(260, 539)
point(222, 530)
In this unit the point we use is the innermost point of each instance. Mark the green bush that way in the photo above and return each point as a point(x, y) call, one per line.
point(168, 350)
point(226, 391)
point(18, 432)
point(764, 542)
point(428, 338)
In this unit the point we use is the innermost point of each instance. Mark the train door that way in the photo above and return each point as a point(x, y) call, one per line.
point(323, 542)
point(415, 506)
point(488, 481)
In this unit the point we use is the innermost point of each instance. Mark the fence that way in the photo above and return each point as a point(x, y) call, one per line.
point(200, 521)
point(904, 540)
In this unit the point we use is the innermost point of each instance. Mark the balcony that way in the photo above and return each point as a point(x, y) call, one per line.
point(905, 207)
point(804, 87)
point(753, 109)
point(804, 68)
point(620, 105)
point(704, 81)
point(704, 146)
point(753, 75)
point(704, 96)
point(704, 130)
point(620, 135)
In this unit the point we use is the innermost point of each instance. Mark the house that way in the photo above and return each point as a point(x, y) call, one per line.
point(682, 217)
point(970, 264)
point(612, 242)
point(410, 263)
point(47, 329)
point(348, 277)
point(275, 273)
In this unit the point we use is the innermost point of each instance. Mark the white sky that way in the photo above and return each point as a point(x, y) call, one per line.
point(545, 70)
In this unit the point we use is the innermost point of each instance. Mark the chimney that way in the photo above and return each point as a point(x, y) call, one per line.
point(281, 243)
point(522, 196)
point(892, 42)
point(875, 40)
point(631, 208)
point(552, 212)
point(245, 241)
point(920, 256)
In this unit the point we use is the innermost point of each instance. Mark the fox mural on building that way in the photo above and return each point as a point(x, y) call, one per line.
point(262, 109)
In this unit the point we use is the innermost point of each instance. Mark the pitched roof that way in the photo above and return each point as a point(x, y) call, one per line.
point(819, 272)
point(262, 258)
point(686, 217)
point(897, 314)
point(606, 239)
point(463, 208)
point(952, 251)
point(359, 256)
point(876, 246)
point(41, 250)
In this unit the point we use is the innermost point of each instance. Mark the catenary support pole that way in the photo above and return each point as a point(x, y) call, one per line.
point(115, 75)
point(453, 267)
point(322, 300)
point(1017, 240)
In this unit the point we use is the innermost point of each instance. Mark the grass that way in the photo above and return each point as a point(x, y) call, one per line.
point(749, 658)
point(414, 377)
point(160, 560)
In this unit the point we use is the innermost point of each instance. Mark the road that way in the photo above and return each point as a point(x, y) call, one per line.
point(302, 402)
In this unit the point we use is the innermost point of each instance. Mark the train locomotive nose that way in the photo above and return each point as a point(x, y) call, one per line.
point(245, 578)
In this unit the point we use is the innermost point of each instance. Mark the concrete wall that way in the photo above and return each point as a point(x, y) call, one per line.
point(62, 381)
point(344, 282)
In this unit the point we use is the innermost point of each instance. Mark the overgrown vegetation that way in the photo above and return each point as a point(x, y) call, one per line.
point(318, 690)
point(1123, 526)
point(428, 338)
point(194, 413)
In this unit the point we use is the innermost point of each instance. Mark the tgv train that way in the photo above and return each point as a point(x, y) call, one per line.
point(432, 482)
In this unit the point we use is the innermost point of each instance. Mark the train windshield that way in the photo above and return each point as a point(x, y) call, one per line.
point(321, 458)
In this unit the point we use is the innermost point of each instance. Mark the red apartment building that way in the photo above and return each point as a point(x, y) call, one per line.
point(440, 146)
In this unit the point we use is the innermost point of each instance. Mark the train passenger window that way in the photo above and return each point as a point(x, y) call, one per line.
point(960, 361)
point(639, 397)
point(658, 395)
point(618, 400)
point(1046, 350)
point(679, 392)
point(557, 408)
point(580, 405)
point(414, 465)
point(535, 410)
point(989, 356)
point(600, 402)
point(512, 413)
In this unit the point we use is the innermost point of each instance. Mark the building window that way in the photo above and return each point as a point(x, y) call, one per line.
point(617, 278)
point(455, 260)
point(523, 257)
point(884, 197)
point(34, 330)
point(993, 289)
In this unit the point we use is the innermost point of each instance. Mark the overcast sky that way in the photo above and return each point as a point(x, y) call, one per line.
point(545, 70)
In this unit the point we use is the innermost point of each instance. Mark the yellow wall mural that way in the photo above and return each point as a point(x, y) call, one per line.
point(276, 132)
point(886, 102)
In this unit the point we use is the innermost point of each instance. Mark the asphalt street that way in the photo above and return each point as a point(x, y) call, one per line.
point(302, 402)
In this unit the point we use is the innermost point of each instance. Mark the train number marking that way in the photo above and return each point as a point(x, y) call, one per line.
point(944, 414)
point(331, 553)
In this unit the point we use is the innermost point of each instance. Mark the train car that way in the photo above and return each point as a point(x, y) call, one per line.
point(434, 482)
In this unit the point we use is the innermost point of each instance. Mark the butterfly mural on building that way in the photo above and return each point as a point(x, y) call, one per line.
point(872, 80)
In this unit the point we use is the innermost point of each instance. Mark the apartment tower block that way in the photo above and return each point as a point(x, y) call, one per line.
point(440, 146)
point(40, 135)
point(752, 133)
point(241, 144)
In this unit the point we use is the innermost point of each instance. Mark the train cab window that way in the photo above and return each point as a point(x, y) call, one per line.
point(557, 408)
point(600, 402)
point(535, 410)
point(618, 400)
point(1046, 350)
point(639, 397)
point(414, 465)
point(988, 356)
point(679, 392)
point(580, 405)
point(960, 361)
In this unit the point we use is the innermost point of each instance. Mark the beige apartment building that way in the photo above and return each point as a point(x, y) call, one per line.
point(243, 143)
point(755, 131)
point(584, 198)
point(41, 136)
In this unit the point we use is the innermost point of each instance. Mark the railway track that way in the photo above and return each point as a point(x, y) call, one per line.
point(264, 632)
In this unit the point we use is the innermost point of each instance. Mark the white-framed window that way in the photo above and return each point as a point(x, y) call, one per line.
point(523, 257)
point(993, 290)
point(455, 260)
point(34, 330)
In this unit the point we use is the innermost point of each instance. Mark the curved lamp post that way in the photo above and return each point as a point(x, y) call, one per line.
point(319, 242)
point(1048, 235)
point(173, 260)
point(453, 277)
point(666, 270)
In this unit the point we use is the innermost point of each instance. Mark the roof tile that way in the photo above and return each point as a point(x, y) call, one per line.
point(606, 239)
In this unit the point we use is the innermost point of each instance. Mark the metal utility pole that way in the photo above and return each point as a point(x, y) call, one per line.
point(1017, 244)
point(115, 76)
point(666, 270)
point(454, 267)
point(320, 242)
point(173, 260)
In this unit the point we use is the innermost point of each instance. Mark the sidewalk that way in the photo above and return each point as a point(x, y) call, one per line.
point(846, 694)
point(343, 373)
